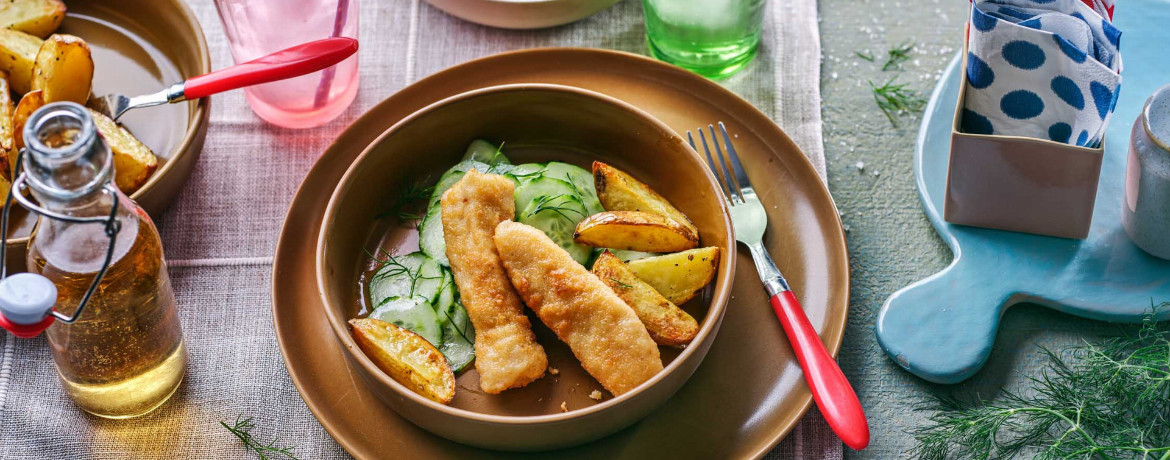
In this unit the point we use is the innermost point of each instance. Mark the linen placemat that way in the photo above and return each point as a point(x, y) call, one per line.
point(221, 233)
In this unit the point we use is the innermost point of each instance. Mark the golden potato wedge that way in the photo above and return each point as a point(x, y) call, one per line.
point(680, 275)
point(33, 17)
point(7, 142)
point(634, 231)
point(24, 109)
point(64, 69)
point(406, 357)
point(133, 160)
point(18, 55)
point(666, 323)
point(619, 191)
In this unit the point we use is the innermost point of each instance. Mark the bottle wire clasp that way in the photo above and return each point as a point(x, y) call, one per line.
point(112, 227)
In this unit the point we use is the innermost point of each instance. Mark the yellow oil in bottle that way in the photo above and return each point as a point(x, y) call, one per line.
point(124, 356)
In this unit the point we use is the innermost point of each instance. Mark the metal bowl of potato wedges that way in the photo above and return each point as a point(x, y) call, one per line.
point(526, 267)
point(53, 50)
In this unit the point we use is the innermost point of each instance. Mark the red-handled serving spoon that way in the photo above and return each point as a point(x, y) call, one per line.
point(832, 392)
point(292, 62)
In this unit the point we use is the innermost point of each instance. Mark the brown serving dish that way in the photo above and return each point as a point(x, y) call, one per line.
point(748, 393)
point(1020, 184)
point(140, 46)
point(536, 123)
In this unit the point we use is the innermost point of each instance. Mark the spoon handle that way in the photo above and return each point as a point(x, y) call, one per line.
point(284, 64)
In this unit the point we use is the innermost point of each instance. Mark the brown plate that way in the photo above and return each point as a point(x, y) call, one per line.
point(140, 46)
point(748, 392)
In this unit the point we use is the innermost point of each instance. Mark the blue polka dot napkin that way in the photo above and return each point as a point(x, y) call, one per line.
point(1048, 69)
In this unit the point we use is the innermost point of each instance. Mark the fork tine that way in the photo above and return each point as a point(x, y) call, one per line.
point(740, 175)
point(731, 182)
point(723, 187)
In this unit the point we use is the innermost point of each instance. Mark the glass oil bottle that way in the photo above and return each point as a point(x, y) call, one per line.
point(124, 355)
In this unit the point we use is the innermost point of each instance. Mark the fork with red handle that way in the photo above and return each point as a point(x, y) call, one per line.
point(832, 392)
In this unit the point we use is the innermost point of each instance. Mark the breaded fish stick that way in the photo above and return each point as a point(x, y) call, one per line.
point(603, 332)
point(506, 352)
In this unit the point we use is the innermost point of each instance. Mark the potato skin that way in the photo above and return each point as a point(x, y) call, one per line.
point(18, 55)
point(24, 109)
point(7, 141)
point(33, 17)
point(635, 231)
point(134, 162)
point(666, 323)
point(64, 69)
point(406, 357)
point(619, 191)
point(680, 275)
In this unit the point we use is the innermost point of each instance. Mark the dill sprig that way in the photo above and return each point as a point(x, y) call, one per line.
point(547, 203)
point(896, 98)
point(896, 55)
point(242, 429)
point(404, 205)
point(394, 268)
point(1109, 400)
point(868, 56)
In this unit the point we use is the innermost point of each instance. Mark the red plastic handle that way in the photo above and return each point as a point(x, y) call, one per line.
point(832, 392)
point(299, 60)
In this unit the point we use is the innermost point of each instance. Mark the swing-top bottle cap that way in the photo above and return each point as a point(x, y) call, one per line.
point(25, 302)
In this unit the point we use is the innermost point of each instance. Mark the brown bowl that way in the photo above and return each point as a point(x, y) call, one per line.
point(140, 46)
point(538, 122)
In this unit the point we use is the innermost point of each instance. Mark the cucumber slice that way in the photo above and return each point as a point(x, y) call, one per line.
point(448, 179)
point(521, 174)
point(413, 313)
point(580, 179)
point(430, 235)
point(458, 339)
point(458, 344)
point(408, 276)
point(536, 189)
point(557, 216)
point(485, 152)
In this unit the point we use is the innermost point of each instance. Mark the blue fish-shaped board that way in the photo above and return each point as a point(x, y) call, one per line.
point(942, 328)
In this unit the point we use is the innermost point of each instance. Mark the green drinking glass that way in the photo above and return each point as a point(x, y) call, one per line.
point(714, 38)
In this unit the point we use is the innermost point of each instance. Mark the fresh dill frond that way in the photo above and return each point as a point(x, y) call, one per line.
point(896, 98)
point(242, 429)
point(404, 206)
point(547, 203)
point(394, 267)
point(621, 284)
point(896, 55)
point(868, 56)
point(1109, 400)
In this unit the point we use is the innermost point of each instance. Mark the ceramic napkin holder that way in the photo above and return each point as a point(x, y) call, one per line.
point(1020, 184)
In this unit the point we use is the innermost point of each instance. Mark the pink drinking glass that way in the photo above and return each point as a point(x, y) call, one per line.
point(259, 27)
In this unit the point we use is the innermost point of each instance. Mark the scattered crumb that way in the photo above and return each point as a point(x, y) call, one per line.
point(595, 395)
point(564, 406)
point(554, 371)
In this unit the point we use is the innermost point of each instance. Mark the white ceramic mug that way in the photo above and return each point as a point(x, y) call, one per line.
point(1146, 213)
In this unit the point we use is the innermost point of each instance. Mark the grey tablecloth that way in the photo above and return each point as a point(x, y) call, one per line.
point(221, 233)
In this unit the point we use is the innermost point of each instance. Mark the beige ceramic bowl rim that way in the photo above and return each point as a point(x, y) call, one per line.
point(194, 122)
point(713, 317)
